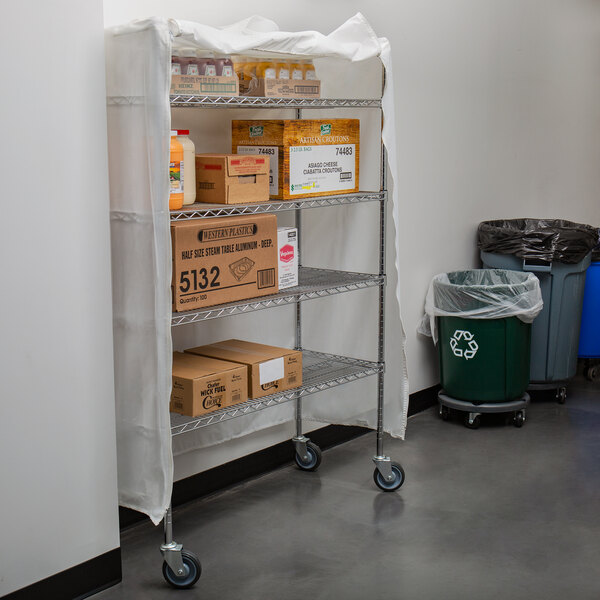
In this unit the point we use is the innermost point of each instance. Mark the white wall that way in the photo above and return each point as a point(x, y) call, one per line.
point(57, 435)
point(498, 109)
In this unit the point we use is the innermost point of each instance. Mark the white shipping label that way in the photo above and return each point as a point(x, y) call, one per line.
point(271, 370)
point(273, 153)
point(316, 169)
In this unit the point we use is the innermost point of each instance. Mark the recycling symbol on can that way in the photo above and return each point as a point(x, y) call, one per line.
point(463, 350)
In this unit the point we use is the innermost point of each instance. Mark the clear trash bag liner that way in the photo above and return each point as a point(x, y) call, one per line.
point(547, 240)
point(481, 294)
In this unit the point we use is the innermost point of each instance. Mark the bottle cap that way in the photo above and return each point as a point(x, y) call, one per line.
point(183, 132)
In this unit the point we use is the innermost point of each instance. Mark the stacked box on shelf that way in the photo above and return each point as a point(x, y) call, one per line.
point(308, 157)
point(270, 369)
point(202, 385)
point(223, 260)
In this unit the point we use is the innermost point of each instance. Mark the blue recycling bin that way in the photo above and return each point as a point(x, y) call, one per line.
point(589, 339)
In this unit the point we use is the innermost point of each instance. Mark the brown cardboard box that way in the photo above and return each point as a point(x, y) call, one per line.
point(281, 88)
point(200, 85)
point(309, 157)
point(231, 178)
point(223, 260)
point(270, 369)
point(201, 385)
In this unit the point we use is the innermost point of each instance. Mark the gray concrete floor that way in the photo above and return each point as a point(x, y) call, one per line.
point(497, 513)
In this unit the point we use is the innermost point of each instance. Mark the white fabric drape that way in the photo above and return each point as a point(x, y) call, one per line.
point(138, 68)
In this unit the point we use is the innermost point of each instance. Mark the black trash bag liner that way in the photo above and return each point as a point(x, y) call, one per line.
point(596, 254)
point(545, 240)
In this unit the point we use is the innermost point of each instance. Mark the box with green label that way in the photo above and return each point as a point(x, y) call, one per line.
point(308, 157)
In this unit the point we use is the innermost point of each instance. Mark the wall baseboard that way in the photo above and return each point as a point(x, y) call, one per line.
point(75, 583)
point(257, 463)
point(420, 401)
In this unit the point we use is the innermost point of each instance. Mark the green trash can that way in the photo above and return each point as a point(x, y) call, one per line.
point(481, 321)
point(484, 360)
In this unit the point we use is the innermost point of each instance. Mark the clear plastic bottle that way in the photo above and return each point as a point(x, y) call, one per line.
point(189, 63)
point(224, 65)
point(309, 70)
point(210, 65)
point(239, 62)
point(175, 62)
point(175, 173)
point(282, 68)
point(296, 70)
point(188, 167)
point(266, 70)
point(250, 69)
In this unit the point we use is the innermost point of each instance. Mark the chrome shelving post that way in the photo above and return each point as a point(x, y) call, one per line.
point(382, 462)
point(300, 440)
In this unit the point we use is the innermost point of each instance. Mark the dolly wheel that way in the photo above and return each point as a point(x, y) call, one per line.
point(191, 571)
point(444, 413)
point(395, 483)
point(561, 395)
point(312, 460)
point(519, 419)
point(591, 373)
point(473, 424)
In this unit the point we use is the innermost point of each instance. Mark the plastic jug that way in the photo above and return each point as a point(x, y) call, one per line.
point(296, 70)
point(175, 62)
point(189, 63)
point(188, 167)
point(224, 65)
point(266, 70)
point(175, 173)
point(309, 70)
point(282, 69)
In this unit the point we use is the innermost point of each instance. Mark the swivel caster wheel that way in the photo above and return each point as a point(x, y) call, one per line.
point(591, 373)
point(519, 419)
point(312, 460)
point(444, 413)
point(191, 571)
point(561, 395)
point(395, 483)
point(472, 421)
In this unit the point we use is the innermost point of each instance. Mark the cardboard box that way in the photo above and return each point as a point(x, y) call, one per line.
point(231, 178)
point(287, 255)
point(201, 384)
point(270, 369)
point(309, 157)
point(200, 85)
point(223, 260)
point(281, 88)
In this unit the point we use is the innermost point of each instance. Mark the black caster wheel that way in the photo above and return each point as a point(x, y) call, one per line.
point(444, 413)
point(591, 373)
point(474, 424)
point(561, 395)
point(519, 419)
point(191, 572)
point(314, 458)
point(394, 484)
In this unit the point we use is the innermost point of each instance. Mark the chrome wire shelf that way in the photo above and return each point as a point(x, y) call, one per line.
point(320, 372)
point(313, 283)
point(202, 211)
point(181, 100)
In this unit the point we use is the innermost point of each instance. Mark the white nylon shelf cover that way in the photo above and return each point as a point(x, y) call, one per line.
point(138, 58)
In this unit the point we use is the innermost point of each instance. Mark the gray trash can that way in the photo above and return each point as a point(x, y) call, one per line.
point(558, 253)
